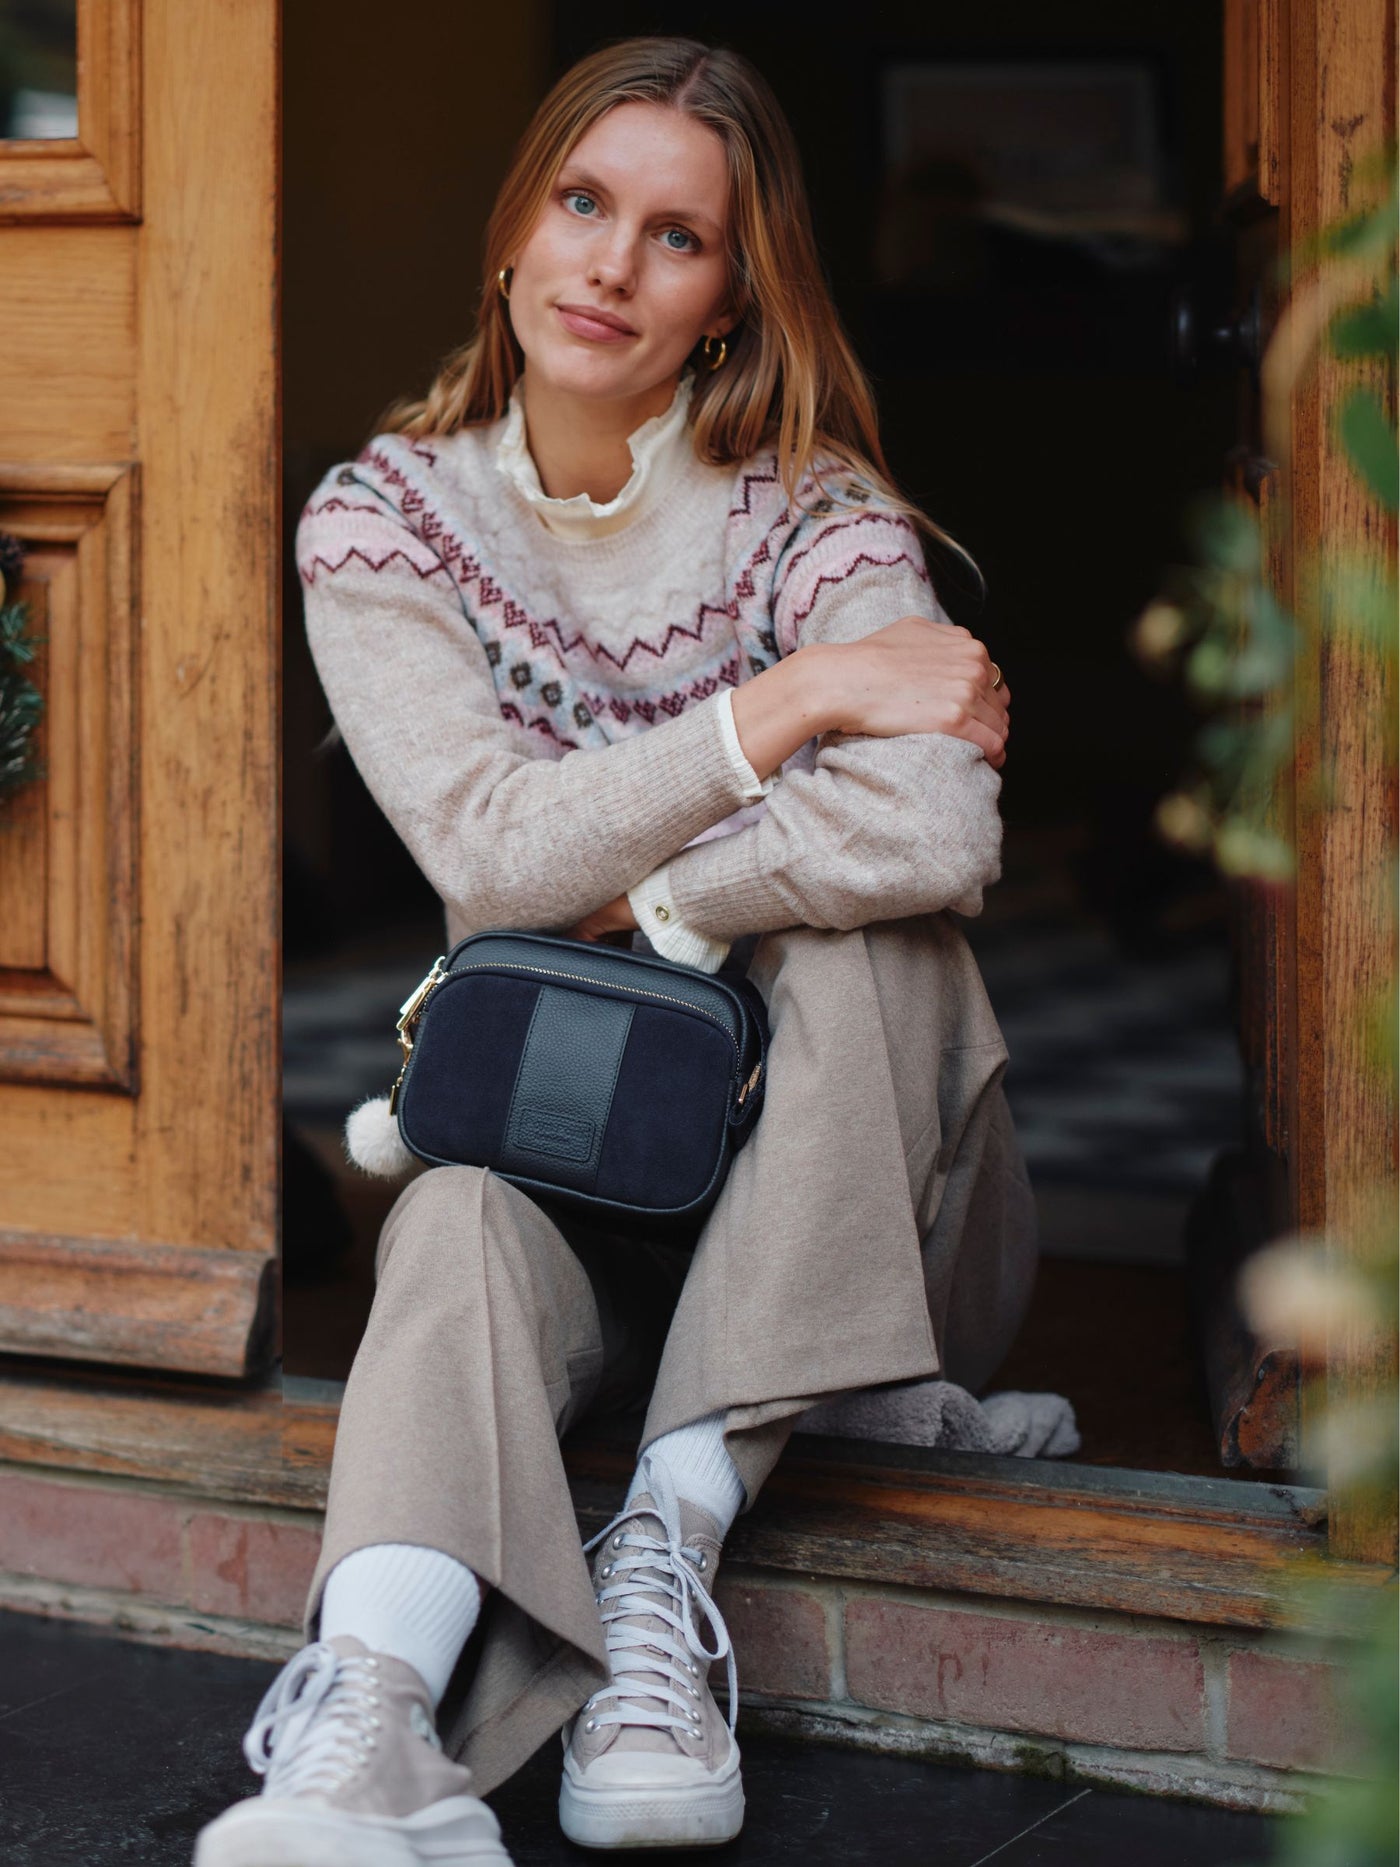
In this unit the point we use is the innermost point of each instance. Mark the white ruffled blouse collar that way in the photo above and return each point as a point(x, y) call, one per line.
point(658, 448)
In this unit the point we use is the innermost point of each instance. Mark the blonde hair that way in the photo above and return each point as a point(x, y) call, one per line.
point(791, 379)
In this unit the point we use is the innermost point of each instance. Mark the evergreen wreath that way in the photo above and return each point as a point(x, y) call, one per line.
point(21, 703)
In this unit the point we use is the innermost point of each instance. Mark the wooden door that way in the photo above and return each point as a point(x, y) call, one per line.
point(138, 875)
point(1310, 95)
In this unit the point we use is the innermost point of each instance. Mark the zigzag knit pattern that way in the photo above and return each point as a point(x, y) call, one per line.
point(590, 643)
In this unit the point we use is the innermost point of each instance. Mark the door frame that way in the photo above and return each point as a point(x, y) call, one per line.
point(1206, 1550)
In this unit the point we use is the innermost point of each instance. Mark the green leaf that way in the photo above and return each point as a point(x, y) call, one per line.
point(1208, 667)
point(1241, 849)
point(1362, 235)
point(1366, 433)
point(1367, 330)
point(1225, 535)
point(1270, 621)
point(1365, 606)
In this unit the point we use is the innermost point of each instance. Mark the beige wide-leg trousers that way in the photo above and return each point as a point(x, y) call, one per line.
point(878, 1227)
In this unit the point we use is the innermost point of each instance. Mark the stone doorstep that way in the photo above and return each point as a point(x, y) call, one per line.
point(1216, 1715)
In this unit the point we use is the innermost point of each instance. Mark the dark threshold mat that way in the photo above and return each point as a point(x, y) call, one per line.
point(112, 1752)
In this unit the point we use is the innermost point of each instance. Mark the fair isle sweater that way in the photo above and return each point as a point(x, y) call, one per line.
point(537, 691)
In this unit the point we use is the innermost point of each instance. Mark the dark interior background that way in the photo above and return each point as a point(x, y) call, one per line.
point(1015, 311)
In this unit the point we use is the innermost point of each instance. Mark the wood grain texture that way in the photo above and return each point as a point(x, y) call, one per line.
point(68, 355)
point(1342, 100)
point(1198, 1550)
point(150, 1306)
point(208, 1117)
point(96, 175)
point(67, 995)
point(1252, 152)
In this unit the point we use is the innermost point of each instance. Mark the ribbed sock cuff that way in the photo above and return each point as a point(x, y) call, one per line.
point(417, 1604)
point(700, 1469)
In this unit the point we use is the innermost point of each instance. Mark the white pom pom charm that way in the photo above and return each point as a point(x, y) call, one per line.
point(373, 1142)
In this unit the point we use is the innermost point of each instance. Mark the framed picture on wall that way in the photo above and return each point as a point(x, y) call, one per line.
point(1055, 151)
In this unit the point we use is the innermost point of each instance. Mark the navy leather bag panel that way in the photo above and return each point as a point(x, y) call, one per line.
point(615, 1083)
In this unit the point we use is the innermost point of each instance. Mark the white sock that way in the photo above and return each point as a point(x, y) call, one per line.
point(416, 1604)
point(700, 1468)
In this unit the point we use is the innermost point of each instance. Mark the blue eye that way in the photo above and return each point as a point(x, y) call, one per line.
point(677, 239)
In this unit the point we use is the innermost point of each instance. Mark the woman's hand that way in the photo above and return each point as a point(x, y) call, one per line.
point(613, 917)
point(918, 676)
point(913, 676)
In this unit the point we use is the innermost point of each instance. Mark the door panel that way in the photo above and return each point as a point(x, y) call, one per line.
point(67, 886)
point(68, 360)
point(139, 983)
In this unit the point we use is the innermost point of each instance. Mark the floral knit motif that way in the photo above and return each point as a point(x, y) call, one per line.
point(566, 683)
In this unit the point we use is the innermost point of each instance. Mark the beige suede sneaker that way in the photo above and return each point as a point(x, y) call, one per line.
point(355, 1775)
point(650, 1762)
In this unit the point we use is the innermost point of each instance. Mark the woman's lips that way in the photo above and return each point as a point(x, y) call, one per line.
point(583, 326)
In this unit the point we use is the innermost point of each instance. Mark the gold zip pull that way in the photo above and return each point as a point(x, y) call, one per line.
point(413, 1004)
point(751, 1083)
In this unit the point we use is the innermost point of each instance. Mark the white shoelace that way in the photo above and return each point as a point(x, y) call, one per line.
point(660, 1665)
point(317, 1722)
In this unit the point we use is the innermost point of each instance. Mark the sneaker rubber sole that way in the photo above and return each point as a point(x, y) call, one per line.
point(619, 1815)
point(271, 1831)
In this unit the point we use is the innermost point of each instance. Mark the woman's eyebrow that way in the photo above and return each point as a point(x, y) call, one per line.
point(570, 174)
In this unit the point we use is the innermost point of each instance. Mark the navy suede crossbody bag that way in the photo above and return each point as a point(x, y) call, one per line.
point(614, 1082)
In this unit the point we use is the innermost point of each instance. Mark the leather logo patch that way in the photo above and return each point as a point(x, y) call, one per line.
point(540, 1130)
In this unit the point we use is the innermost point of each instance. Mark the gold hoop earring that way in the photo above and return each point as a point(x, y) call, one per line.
point(710, 358)
point(501, 285)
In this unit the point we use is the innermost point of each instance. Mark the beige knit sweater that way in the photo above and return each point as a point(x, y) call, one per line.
point(536, 691)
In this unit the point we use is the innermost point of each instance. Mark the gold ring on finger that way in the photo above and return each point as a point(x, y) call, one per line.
point(996, 677)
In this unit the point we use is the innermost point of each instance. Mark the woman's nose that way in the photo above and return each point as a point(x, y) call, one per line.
point(613, 263)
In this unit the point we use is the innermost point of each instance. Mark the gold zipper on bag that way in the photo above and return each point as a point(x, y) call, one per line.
point(408, 1017)
point(412, 1008)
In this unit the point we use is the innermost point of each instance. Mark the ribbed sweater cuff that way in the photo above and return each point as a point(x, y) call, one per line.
point(661, 921)
point(686, 762)
point(718, 891)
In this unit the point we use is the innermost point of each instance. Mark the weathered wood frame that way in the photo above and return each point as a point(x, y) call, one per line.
point(1310, 92)
point(1341, 57)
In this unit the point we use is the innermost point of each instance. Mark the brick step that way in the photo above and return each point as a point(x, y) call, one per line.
point(1106, 1698)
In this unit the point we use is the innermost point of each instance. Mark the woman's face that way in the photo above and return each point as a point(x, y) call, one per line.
point(634, 230)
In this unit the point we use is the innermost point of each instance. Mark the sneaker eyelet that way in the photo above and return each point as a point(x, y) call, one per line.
point(590, 1724)
point(694, 1671)
point(617, 1540)
point(606, 1570)
point(703, 1562)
